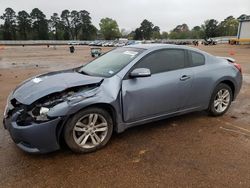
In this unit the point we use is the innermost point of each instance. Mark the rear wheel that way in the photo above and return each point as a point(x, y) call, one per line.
point(221, 100)
point(88, 130)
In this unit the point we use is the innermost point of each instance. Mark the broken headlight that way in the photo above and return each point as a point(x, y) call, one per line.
point(42, 107)
point(43, 113)
point(39, 113)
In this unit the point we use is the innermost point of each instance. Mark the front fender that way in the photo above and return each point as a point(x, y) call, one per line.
point(67, 108)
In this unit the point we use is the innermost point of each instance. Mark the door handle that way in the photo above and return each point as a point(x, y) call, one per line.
point(185, 77)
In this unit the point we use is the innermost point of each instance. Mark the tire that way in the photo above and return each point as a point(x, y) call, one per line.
point(219, 105)
point(88, 130)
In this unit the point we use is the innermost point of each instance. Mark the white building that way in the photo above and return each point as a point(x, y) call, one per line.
point(244, 28)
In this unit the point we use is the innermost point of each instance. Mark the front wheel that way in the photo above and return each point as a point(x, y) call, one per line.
point(220, 100)
point(88, 130)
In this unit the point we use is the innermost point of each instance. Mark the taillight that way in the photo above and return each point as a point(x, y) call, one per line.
point(238, 67)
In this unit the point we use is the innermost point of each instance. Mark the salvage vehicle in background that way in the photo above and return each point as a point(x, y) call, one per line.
point(123, 88)
point(209, 42)
point(95, 52)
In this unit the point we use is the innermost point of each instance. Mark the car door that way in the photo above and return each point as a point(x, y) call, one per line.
point(164, 92)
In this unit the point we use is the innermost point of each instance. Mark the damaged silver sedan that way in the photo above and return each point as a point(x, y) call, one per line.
point(125, 87)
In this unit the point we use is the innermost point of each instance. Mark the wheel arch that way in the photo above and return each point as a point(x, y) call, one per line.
point(230, 84)
point(105, 106)
point(228, 81)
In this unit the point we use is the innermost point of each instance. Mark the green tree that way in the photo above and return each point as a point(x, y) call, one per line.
point(210, 28)
point(173, 35)
point(9, 26)
point(138, 34)
point(56, 27)
point(156, 33)
point(39, 25)
point(78, 25)
point(181, 28)
point(180, 32)
point(109, 28)
point(23, 25)
point(131, 35)
point(164, 35)
point(66, 21)
point(228, 27)
point(88, 30)
point(1, 32)
point(146, 29)
point(75, 23)
point(197, 33)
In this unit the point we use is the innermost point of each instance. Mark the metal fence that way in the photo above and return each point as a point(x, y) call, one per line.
point(220, 40)
point(34, 42)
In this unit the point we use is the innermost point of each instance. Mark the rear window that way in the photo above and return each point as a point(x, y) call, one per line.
point(197, 59)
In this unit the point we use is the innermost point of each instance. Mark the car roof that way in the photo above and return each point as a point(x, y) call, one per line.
point(161, 46)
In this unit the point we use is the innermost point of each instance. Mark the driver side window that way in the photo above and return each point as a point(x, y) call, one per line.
point(163, 61)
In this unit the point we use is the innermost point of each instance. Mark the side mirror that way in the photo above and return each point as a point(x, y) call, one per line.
point(140, 72)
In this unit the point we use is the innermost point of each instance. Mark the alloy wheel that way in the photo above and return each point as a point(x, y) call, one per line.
point(90, 130)
point(222, 100)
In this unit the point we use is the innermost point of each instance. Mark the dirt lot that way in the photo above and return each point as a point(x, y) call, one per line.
point(193, 150)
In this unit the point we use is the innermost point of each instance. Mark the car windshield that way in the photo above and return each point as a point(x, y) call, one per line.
point(110, 63)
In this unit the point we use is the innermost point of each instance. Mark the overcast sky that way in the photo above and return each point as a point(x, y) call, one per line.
point(130, 13)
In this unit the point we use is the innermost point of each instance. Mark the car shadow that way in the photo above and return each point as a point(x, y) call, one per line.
point(130, 133)
point(156, 125)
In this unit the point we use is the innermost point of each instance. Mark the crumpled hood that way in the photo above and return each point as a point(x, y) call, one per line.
point(37, 87)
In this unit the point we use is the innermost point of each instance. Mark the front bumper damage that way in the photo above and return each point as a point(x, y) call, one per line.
point(35, 130)
point(36, 137)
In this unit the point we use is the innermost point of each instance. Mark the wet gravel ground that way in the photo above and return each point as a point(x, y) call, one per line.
point(192, 150)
